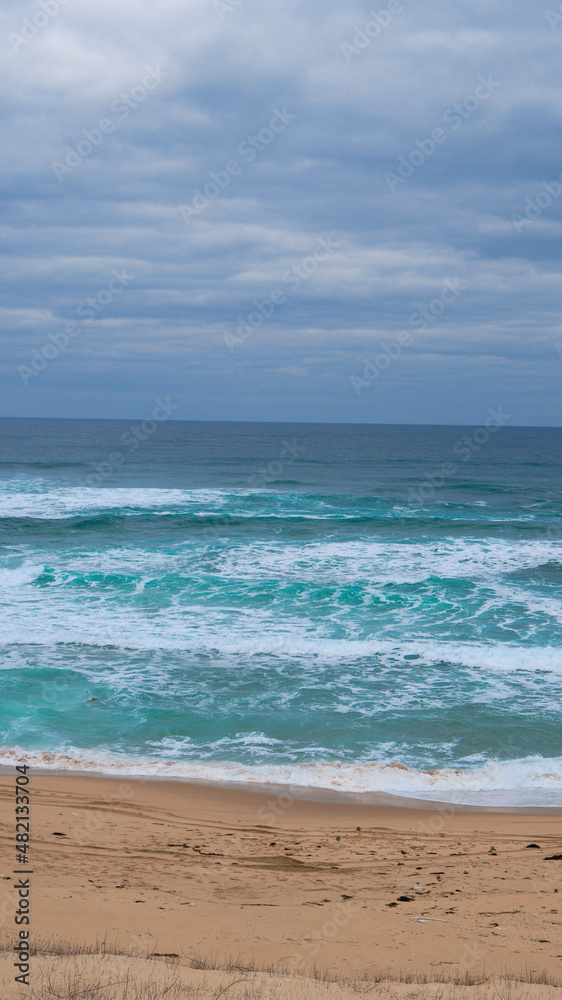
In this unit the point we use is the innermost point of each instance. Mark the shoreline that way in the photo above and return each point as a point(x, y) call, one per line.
point(313, 793)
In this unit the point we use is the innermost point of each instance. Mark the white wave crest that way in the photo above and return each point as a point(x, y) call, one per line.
point(18, 576)
point(533, 781)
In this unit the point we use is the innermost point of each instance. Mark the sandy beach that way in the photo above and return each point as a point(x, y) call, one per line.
point(217, 877)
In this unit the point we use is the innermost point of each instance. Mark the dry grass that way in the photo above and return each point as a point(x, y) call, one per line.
point(69, 971)
point(75, 981)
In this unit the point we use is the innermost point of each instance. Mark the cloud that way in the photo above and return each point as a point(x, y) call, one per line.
point(207, 148)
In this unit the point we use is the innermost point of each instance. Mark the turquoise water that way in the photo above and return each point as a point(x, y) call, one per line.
point(307, 604)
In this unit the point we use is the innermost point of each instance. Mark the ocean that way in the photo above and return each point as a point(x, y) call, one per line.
point(351, 607)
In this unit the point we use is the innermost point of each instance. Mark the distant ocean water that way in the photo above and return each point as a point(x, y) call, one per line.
point(303, 604)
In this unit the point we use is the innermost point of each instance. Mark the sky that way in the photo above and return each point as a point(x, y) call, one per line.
point(316, 211)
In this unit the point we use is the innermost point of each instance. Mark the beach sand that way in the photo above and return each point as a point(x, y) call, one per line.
point(231, 879)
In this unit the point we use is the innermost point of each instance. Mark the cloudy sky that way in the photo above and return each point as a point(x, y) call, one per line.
point(282, 210)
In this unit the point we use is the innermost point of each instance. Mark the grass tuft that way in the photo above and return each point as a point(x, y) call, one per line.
point(64, 970)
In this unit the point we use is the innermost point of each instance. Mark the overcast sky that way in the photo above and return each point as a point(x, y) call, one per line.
point(331, 210)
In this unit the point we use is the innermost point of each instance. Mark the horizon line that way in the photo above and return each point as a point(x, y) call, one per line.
point(314, 423)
